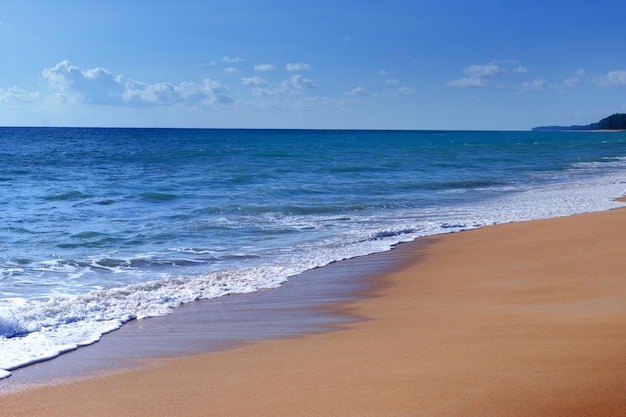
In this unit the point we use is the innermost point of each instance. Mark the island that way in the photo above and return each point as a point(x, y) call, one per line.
point(616, 121)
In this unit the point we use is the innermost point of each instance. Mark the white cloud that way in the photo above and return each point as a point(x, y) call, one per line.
point(300, 66)
point(405, 90)
point(208, 92)
point(99, 86)
point(478, 76)
point(613, 78)
point(534, 85)
point(310, 103)
point(357, 91)
point(263, 67)
point(468, 82)
point(138, 93)
point(17, 95)
point(571, 82)
point(254, 82)
point(575, 79)
point(391, 82)
point(483, 71)
point(382, 72)
point(521, 69)
point(231, 70)
point(402, 91)
point(299, 82)
point(264, 92)
point(231, 60)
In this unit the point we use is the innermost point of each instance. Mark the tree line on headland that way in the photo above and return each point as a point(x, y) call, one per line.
point(616, 121)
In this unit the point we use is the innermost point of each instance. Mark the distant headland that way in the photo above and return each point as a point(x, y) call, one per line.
point(614, 122)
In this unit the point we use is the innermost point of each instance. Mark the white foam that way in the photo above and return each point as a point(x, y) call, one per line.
point(40, 331)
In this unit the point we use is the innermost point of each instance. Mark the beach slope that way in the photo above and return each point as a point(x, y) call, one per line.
point(520, 319)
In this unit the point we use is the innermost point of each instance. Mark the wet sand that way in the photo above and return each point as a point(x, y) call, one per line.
point(310, 302)
point(521, 319)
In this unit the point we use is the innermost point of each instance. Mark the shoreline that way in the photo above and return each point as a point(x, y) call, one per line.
point(310, 302)
point(515, 319)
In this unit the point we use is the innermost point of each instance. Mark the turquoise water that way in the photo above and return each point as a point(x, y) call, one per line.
point(100, 226)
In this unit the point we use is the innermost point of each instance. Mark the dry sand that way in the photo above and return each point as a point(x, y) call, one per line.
point(522, 319)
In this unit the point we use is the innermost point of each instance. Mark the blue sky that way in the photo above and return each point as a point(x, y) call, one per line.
point(445, 64)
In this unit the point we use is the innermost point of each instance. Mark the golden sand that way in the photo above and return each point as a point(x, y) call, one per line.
point(521, 319)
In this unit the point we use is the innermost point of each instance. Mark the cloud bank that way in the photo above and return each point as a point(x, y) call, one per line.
point(17, 95)
point(99, 86)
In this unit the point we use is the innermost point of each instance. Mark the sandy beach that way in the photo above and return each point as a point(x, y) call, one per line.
point(520, 319)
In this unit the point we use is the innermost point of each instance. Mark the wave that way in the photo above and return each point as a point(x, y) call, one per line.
point(68, 196)
point(158, 197)
point(36, 331)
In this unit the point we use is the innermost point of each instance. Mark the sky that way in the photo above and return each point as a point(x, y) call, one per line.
point(319, 64)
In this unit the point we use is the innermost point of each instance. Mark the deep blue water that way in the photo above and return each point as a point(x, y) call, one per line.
point(103, 225)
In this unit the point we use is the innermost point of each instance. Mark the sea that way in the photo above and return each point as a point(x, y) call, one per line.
point(100, 226)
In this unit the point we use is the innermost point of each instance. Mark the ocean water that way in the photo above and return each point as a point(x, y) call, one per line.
point(102, 226)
